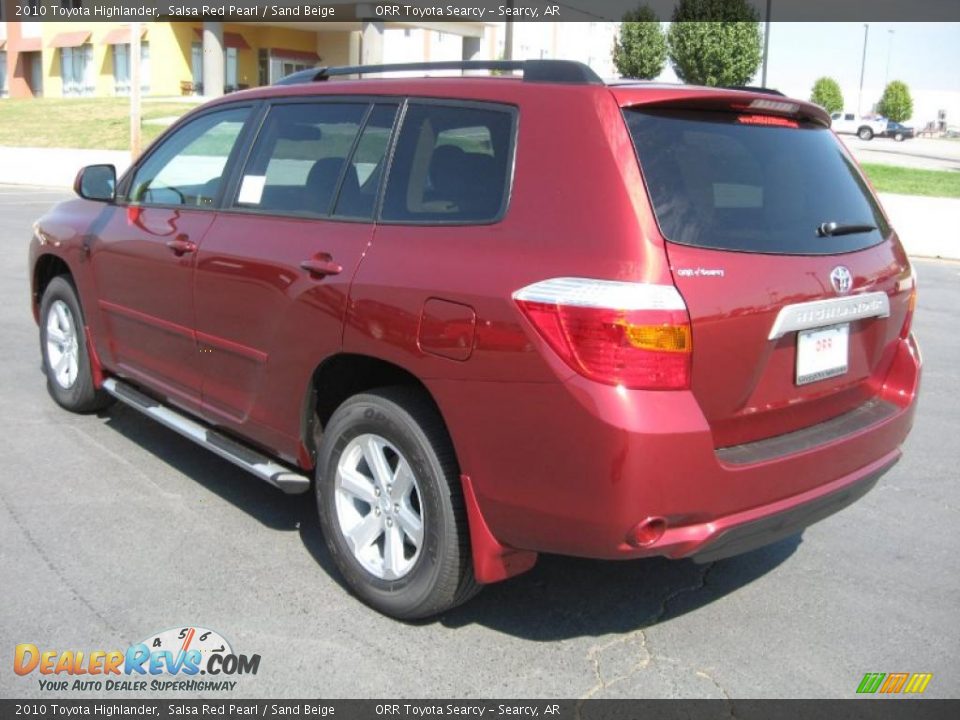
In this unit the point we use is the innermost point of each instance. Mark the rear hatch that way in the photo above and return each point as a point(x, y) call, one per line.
point(745, 188)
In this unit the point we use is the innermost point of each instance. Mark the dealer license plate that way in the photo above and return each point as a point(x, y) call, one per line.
point(822, 353)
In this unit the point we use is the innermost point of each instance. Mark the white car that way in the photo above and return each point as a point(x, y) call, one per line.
point(861, 126)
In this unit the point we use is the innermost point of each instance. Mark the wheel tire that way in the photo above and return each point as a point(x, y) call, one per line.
point(441, 576)
point(898, 137)
point(865, 133)
point(71, 387)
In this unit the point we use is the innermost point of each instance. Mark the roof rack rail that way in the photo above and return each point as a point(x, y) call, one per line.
point(557, 71)
point(754, 88)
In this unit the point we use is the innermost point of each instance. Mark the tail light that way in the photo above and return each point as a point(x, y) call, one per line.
point(620, 333)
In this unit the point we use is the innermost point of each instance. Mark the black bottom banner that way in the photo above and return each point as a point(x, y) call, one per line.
point(868, 709)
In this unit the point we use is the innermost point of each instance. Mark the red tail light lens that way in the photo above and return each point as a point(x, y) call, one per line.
point(632, 334)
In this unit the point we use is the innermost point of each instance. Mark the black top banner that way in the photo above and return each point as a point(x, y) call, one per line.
point(478, 11)
point(489, 709)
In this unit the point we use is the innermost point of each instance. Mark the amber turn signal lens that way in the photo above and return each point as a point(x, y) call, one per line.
point(663, 338)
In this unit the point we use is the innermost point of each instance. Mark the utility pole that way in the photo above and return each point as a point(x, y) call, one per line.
point(766, 45)
point(886, 78)
point(508, 35)
point(863, 67)
point(135, 144)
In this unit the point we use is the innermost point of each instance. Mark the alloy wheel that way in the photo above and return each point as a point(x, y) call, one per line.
point(378, 506)
point(63, 350)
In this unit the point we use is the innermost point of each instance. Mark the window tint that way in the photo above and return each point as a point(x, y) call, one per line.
point(716, 182)
point(848, 116)
point(451, 165)
point(188, 168)
point(299, 158)
point(358, 193)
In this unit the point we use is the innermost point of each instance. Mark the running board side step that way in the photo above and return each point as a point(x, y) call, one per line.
point(263, 467)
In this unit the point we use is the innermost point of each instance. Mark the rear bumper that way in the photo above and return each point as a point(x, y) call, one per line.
point(573, 467)
point(736, 534)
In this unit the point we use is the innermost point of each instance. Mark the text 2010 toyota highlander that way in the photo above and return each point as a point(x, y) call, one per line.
point(488, 317)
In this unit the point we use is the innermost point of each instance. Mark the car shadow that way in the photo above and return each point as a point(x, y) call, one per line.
point(560, 598)
point(564, 598)
point(261, 501)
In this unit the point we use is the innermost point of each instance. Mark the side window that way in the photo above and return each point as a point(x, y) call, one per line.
point(451, 165)
point(188, 168)
point(848, 116)
point(358, 194)
point(300, 157)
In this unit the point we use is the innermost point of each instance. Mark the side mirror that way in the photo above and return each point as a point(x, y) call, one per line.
point(96, 182)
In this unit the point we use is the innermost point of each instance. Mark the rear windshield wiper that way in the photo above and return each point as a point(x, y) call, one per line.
point(829, 229)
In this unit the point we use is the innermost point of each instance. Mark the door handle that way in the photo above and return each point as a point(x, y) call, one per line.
point(321, 267)
point(181, 245)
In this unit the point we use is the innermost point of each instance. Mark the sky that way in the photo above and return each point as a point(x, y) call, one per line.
point(924, 55)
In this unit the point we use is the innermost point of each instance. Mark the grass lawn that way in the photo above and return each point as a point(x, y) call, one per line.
point(100, 123)
point(909, 181)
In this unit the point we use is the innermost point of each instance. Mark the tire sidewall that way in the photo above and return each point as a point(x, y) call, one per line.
point(866, 134)
point(370, 414)
point(79, 393)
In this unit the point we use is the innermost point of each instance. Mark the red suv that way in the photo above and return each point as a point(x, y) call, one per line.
point(488, 317)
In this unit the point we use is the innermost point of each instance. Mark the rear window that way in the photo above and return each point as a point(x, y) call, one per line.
point(718, 182)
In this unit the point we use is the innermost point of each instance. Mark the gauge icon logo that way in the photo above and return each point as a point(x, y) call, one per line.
point(197, 643)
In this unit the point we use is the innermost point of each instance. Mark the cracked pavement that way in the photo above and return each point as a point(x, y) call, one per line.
point(112, 528)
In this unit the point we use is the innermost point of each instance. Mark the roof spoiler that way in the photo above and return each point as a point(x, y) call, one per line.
point(754, 88)
point(551, 71)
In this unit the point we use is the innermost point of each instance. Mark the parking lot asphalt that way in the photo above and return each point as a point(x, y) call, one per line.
point(113, 528)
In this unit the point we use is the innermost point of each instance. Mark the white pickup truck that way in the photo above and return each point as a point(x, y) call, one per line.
point(861, 126)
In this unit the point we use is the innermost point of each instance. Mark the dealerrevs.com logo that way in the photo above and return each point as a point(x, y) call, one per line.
point(191, 659)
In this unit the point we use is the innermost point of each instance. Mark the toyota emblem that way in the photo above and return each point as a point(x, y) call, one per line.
point(841, 279)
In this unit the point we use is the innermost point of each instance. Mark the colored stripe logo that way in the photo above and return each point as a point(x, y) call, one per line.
point(891, 683)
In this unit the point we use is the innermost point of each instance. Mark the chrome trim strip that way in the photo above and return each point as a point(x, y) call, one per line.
point(263, 467)
point(819, 313)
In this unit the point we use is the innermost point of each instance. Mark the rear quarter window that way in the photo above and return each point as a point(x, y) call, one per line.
point(717, 182)
point(452, 165)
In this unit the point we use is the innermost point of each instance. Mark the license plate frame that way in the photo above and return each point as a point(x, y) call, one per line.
point(822, 353)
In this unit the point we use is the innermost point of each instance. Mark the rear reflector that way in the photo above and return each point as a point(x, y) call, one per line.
point(620, 333)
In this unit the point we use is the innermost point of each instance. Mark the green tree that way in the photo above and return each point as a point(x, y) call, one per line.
point(641, 49)
point(714, 42)
point(826, 93)
point(896, 103)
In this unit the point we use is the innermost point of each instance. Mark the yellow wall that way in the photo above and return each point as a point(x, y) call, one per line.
point(334, 48)
point(169, 57)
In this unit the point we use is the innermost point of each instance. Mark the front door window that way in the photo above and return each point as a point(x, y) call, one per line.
point(188, 168)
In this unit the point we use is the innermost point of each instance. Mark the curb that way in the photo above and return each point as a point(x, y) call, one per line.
point(53, 167)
